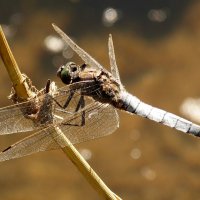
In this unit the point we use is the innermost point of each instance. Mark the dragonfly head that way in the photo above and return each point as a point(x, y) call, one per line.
point(68, 73)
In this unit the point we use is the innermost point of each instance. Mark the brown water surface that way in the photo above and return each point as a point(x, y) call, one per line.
point(158, 61)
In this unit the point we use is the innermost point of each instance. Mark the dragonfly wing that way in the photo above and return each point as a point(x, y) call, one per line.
point(84, 55)
point(100, 120)
point(113, 64)
point(12, 120)
point(40, 141)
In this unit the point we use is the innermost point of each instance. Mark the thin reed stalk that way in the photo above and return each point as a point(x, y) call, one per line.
point(19, 81)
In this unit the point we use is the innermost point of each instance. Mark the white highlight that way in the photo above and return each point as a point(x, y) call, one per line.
point(148, 173)
point(53, 43)
point(86, 153)
point(110, 16)
point(157, 15)
point(135, 153)
point(68, 52)
point(191, 108)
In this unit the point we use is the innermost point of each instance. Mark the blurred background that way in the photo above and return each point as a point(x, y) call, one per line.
point(157, 46)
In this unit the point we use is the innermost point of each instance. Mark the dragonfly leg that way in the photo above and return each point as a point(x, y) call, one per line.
point(68, 99)
point(81, 104)
point(47, 88)
point(67, 102)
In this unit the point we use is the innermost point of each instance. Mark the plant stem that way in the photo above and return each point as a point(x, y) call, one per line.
point(83, 166)
point(18, 80)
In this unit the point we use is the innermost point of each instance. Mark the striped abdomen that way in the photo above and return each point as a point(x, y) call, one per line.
point(133, 105)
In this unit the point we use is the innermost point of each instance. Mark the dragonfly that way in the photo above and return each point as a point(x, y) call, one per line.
point(55, 107)
point(109, 89)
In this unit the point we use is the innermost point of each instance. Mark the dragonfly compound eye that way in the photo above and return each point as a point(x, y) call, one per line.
point(74, 70)
point(64, 74)
point(73, 67)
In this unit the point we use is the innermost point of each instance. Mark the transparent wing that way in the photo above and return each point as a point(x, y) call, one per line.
point(12, 120)
point(40, 141)
point(84, 55)
point(113, 64)
point(63, 95)
point(100, 120)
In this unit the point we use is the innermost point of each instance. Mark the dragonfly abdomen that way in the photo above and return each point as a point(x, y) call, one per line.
point(134, 105)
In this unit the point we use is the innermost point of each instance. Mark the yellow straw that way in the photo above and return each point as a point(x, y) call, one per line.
point(19, 82)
